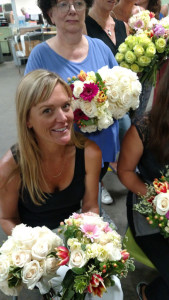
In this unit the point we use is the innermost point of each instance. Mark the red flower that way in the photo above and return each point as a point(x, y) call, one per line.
point(90, 90)
point(63, 255)
point(151, 15)
point(96, 285)
point(160, 187)
point(151, 199)
point(79, 115)
point(125, 255)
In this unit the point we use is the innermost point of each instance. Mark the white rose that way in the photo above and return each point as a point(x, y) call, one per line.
point(21, 257)
point(51, 238)
point(50, 265)
point(4, 267)
point(77, 259)
point(75, 104)
point(8, 245)
point(13, 291)
point(25, 236)
point(105, 122)
point(41, 249)
point(78, 88)
point(31, 274)
point(161, 201)
point(113, 252)
point(89, 108)
point(90, 128)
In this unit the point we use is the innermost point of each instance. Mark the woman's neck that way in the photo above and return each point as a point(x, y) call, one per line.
point(102, 17)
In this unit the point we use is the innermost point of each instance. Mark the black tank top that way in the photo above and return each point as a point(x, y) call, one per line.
point(94, 30)
point(58, 205)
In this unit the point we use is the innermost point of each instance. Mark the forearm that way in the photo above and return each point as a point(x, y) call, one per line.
point(132, 182)
point(8, 224)
point(93, 208)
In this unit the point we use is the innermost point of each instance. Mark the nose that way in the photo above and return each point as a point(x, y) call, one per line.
point(71, 7)
point(60, 116)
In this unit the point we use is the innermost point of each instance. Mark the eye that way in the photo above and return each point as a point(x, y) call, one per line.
point(79, 3)
point(66, 106)
point(62, 4)
point(47, 111)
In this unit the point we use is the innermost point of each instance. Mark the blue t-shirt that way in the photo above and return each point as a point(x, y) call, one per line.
point(99, 55)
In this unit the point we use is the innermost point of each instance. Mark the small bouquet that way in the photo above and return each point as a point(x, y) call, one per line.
point(96, 254)
point(155, 204)
point(30, 258)
point(147, 48)
point(99, 97)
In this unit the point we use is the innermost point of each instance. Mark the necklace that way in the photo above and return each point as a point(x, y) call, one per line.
point(109, 32)
point(55, 176)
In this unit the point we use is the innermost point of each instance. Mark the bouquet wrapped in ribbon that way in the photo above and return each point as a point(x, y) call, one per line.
point(30, 258)
point(147, 47)
point(100, 97)
point(155, 204)
point(95, 254)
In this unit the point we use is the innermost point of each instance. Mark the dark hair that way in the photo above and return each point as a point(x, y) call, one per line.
point(155, 7)
point(46, 5)
point(159, 121)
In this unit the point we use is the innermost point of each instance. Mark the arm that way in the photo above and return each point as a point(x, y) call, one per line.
point(130, 154)
point(93, 161)
point(127, 28)
point(9, 193)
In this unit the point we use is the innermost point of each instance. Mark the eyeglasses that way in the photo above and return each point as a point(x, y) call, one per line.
point(64, 6)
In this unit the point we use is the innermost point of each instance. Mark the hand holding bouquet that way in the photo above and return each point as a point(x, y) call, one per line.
point(147, 47)
point(155, 204)
point(99, 97)
point(96, 254)
point(30, 258)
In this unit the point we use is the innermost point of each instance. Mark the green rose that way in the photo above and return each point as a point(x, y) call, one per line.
point(144, 40)
point(151, 50)
point(123, 48)
point(160, 45)
point(124, 65)
point(138, 50)
point(119, 57)
point(144, 61)
point(131, 41)
point(135, 68)
point(130, 57)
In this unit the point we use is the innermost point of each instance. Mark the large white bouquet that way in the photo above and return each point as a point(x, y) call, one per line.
point(100, 97)
point(96, 254)
point(30, 258)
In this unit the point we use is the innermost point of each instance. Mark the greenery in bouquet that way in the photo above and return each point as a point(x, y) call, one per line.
point(147, 47)
point(100, 97)
point(30, 257)
point(155, 204)
point(96, 253)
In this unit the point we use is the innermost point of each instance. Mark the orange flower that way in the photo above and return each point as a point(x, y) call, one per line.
point(82, 75)
point(160, 187)
point(102, 97)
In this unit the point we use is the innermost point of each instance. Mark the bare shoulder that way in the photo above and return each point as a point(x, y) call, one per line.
point(7, 167)
point(92, 149)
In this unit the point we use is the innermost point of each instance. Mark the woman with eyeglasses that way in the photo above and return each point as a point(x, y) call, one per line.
point(69, 52)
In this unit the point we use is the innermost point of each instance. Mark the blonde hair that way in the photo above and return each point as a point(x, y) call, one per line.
point(37, 86)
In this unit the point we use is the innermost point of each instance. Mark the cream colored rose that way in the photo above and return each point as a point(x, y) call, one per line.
point(41, 249)
point(105, 122)
point(21, 257)
point(75, 104)
point(78, 88)
point(89, 108)
point(8, 246)
point(31, 274)
point(77, 259)
point(90, 128)
point(25, 236)
point(161, 202)
point(4, 267)
point(50, 265)
point(51, 238)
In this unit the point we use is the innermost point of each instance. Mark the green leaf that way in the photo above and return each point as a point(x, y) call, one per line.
point(68, 279)
point(79, 271)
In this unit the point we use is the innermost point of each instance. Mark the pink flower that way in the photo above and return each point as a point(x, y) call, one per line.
point(159, 30)
point(91, 231)
point(125, 255)
point(167, 215)
point(139, 24)
point(79, 115)
point(76, 216)
point(96, 285)
point(63, 255)
point(90, 90)
point(107, 228)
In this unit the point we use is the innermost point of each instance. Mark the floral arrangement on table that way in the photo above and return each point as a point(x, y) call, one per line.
point(96, 254)
point(147, 47)
point(99, 97)
point(155, 204)
point(30, 258)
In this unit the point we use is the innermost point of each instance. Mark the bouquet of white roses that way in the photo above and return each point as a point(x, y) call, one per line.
point(99, 97)
point(30, 258)
point(155, 204)
point(147, 47)
point(95, 255)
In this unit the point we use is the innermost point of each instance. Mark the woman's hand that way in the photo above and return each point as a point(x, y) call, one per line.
point(9, 193)
point(93, 162)
point(130, 155)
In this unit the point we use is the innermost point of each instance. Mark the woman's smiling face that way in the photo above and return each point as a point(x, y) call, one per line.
point(52, 119)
